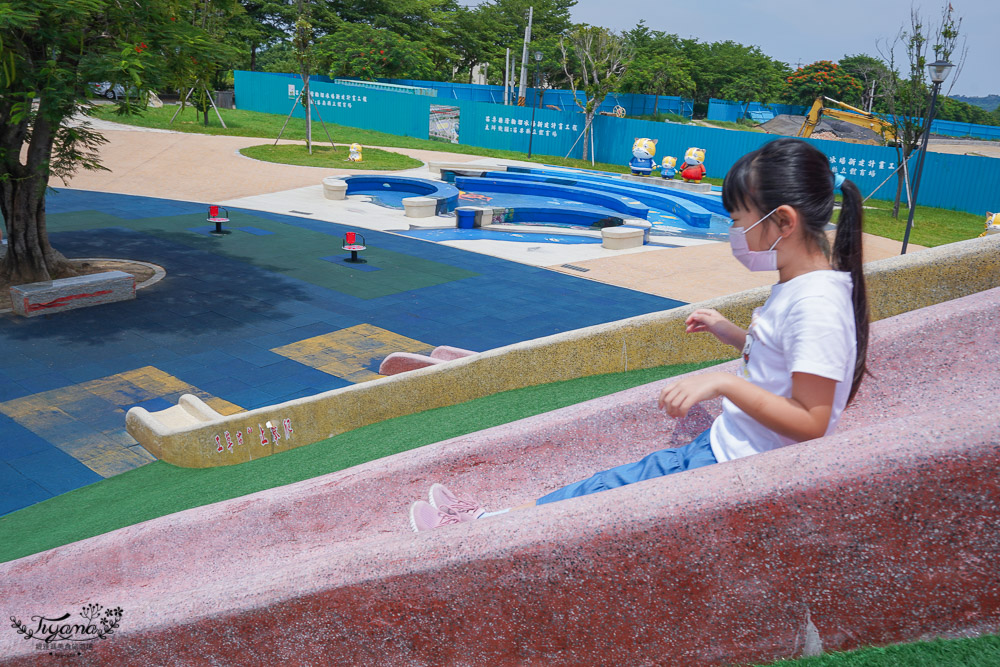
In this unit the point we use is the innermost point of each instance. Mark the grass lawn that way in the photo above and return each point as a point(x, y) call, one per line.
point(326, 156)
point(267, 126)
point(974, 652)
point(158, 488)
point(931, 226)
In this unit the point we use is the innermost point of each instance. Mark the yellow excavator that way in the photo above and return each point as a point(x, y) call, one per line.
point(852, 115)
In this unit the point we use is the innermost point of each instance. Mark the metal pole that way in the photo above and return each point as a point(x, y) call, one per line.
point(532, 127)
point(506, 78)
point(920, 168)
point(524, 60)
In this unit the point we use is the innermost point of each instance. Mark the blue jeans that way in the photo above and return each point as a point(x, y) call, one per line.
point(695, 454)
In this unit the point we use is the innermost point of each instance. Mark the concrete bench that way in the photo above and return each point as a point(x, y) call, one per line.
point(56, 296)
point(334, 188)
point(436, 167)
point(621, 238)
point(420, 207)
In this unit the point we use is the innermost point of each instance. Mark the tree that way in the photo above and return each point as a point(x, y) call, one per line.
point(907, 97)
point(357, 50)
point(51, 50)
point(821, 79)
point(716, 68)
point(871, 73)
point(594, 60)
point(658, 68)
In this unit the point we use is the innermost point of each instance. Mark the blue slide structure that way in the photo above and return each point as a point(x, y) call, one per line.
point(694, 214)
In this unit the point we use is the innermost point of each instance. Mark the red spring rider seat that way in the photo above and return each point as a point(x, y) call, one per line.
point(215, 215)
point(354, 243)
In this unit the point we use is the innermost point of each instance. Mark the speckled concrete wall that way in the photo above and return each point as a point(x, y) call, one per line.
point(896, 285)
point(884, 532)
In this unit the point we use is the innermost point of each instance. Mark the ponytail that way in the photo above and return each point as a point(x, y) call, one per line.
point(794, 172)
point(847, 257)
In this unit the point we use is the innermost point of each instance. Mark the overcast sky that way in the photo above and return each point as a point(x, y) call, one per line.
point(799, 32)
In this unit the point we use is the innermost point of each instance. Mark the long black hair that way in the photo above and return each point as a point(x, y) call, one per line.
point(795, 173)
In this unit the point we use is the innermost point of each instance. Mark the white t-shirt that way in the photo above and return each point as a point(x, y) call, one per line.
point(805, 326)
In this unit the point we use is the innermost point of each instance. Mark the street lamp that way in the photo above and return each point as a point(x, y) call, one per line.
point(531, 128)
point(939, 71)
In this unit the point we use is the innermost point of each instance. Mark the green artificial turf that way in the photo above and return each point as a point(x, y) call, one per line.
point(159, 488)
point(325, 156)
point(974, 652)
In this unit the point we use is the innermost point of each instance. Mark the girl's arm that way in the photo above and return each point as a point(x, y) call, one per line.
point(804, 416)
point(712, 321)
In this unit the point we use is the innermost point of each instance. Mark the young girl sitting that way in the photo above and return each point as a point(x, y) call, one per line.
point(804, 353)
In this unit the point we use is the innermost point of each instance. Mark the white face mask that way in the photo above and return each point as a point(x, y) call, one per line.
point(755, 260)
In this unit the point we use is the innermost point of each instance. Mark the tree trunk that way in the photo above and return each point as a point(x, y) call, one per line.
point(29, 256)
point(253, 57)
point(588, 127)
point(902, 154)
point(656, 104)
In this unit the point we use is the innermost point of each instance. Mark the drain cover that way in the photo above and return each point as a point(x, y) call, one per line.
point(575, 268)
point(301, 212)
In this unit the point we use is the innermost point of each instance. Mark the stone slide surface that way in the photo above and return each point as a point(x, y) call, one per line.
point(884, 532)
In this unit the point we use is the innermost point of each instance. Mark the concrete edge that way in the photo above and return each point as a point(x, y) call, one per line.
point(896, 285)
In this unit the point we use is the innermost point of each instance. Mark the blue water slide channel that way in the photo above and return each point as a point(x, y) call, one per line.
point(390, 190)
point(619, 203)
point(711, 202)
point(653, 196)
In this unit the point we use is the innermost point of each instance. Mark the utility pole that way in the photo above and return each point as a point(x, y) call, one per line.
point(506, 78)
point(524, 60)
point(304, 71)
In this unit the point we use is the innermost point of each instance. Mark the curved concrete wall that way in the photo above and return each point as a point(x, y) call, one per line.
point(896, 285)
point(884, 532)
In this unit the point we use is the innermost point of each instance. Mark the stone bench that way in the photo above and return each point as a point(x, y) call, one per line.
point(334, 188)
point(436, 167)
point(55, 296)
point(420, 207)
point(621, 238)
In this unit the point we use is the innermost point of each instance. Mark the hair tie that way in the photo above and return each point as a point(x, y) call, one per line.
point(838, 180)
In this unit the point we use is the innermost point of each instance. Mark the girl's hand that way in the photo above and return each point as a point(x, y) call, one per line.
point(705, 319)
point(712, 321)
point(681, 396)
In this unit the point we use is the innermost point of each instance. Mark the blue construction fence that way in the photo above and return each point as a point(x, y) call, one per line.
point(966, 183)
point(726, 110)
point(634, 105)
point(733, 111)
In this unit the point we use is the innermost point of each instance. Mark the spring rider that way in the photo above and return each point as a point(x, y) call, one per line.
point(694, 165)
point(643, 150)
point(355, 153)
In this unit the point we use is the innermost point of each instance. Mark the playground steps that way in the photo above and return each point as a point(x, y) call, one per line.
point(875, 535)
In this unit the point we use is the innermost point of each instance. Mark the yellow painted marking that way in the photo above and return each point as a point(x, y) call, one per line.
point(64, 416)
point(349, 353)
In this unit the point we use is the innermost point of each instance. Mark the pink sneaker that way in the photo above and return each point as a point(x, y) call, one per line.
point(465, 507)
point(424, 516)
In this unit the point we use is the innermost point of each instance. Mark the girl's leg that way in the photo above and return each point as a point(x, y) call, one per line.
point(696, 454)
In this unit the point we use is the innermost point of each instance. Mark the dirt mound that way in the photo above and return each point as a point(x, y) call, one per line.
point(788, 125)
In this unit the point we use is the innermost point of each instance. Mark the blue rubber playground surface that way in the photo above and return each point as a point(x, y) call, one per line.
point(266, 314)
